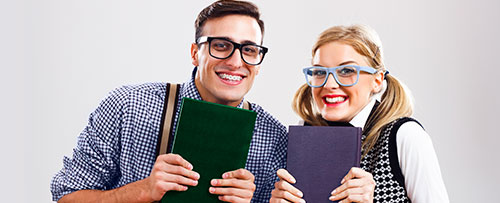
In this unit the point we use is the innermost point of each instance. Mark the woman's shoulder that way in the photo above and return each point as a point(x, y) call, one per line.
point(411, 134)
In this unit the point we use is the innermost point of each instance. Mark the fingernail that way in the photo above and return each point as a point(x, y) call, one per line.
point(343, 180)
point(302, 201)
point(333, 192)
point(225, 175)
point(184, 188)
point(300, 194)
point(213, 182)
point(211, 190)
point(293, 180)
point(195, 182)
point(190, 166)
point(332, 198)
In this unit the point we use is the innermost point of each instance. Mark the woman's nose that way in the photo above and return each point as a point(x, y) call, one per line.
point(331, 82)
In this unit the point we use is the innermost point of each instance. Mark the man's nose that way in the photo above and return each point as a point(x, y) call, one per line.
point(331, 82)
point(235, 61)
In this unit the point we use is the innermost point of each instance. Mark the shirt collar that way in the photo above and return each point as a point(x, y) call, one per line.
point(360, 119)
point(189, 89)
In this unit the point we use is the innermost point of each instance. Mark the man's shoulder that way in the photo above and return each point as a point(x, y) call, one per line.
point(135, 90)
point(267, 118)
point(126, 94)
point(155, 88)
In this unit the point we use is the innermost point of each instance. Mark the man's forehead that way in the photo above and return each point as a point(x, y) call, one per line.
point(237, 28)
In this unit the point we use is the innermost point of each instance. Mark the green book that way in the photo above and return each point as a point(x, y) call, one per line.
point(215, 139)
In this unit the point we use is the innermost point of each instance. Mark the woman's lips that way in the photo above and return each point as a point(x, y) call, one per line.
point(334, 100)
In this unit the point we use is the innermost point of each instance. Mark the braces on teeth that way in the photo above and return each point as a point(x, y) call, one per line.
point(230, 77)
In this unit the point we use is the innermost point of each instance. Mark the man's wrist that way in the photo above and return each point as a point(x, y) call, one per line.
point(132, 192)
point(138, 191)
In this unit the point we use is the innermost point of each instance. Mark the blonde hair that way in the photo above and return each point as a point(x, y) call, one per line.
point(395, 101)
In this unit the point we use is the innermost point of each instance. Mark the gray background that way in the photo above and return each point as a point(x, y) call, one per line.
point(59, 58)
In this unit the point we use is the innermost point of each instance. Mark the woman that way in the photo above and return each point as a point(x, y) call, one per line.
point(348, 75)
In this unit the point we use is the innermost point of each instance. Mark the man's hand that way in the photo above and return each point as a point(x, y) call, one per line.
point(235, 186)
point(170, 172)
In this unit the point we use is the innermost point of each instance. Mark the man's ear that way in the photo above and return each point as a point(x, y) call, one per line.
point(194, 54)
point(378, 82)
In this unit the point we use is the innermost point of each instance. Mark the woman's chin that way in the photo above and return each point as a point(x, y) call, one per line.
point(334, 117)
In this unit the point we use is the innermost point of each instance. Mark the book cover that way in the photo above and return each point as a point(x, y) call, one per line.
point(215, 139)
point(320, 156)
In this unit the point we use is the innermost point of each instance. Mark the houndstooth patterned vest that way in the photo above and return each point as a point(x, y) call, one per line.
point(382, 162)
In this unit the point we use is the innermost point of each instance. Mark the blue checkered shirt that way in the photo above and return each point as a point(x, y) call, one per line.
point(118, 145)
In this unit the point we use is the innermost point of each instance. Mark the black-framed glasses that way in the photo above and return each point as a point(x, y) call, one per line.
point(346, 75)
point(222, 48)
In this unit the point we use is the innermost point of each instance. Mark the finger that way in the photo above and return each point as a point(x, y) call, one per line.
point(163, 167)
point(239, 174)
point(278, 200)
point(285, 195)
point(283, 185)
point(236, 183)
point(178, 170)
point(357, 198)
point(175, 159)
point(242, 193)
point(285, 175)
point(347, 193)
point(168, 186)
point(225, 198)
point(179, 179)
point(355, 172)
point(349, 184)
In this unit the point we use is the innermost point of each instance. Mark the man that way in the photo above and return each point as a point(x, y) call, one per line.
point(114, 160)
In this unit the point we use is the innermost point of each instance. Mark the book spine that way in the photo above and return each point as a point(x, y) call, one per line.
point(358, 149)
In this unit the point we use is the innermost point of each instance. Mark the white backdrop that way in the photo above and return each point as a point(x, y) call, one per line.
point(59, 58)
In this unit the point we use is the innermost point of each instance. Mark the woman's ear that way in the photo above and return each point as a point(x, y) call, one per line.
point(378, 82)
point(194, 54)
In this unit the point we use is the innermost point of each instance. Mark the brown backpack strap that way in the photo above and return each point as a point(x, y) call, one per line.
point(167, 119)
point(246, 105)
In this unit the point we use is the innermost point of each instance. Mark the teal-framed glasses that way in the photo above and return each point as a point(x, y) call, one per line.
point(346, 75)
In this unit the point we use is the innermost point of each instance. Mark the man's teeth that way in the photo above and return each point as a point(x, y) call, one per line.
point(230, 77)
point(334, 99)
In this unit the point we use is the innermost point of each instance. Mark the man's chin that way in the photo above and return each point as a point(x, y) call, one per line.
point(229, 99)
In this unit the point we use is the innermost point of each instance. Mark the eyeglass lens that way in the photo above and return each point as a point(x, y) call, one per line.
point(220, 48)
point(346, 75)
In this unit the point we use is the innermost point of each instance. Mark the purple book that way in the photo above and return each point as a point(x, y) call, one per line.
point(320, 156)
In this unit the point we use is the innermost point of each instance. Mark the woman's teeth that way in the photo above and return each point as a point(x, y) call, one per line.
point(230, 77)
point(334, 99)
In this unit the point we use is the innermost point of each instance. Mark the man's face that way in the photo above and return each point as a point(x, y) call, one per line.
point(226, 81)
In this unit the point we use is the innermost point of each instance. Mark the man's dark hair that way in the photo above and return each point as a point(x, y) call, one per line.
point(227, 7)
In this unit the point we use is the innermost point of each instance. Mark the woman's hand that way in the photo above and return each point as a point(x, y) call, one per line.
point(284, 191)
point(357, 186)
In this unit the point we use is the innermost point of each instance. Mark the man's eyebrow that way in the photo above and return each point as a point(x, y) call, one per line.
point(243, 42)
point(226, 38)
point(248, 42)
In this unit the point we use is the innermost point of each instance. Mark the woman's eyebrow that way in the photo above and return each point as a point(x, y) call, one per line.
point(341, 64)
point(347, 62)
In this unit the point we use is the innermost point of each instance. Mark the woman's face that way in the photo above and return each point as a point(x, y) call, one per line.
point(338, 103)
